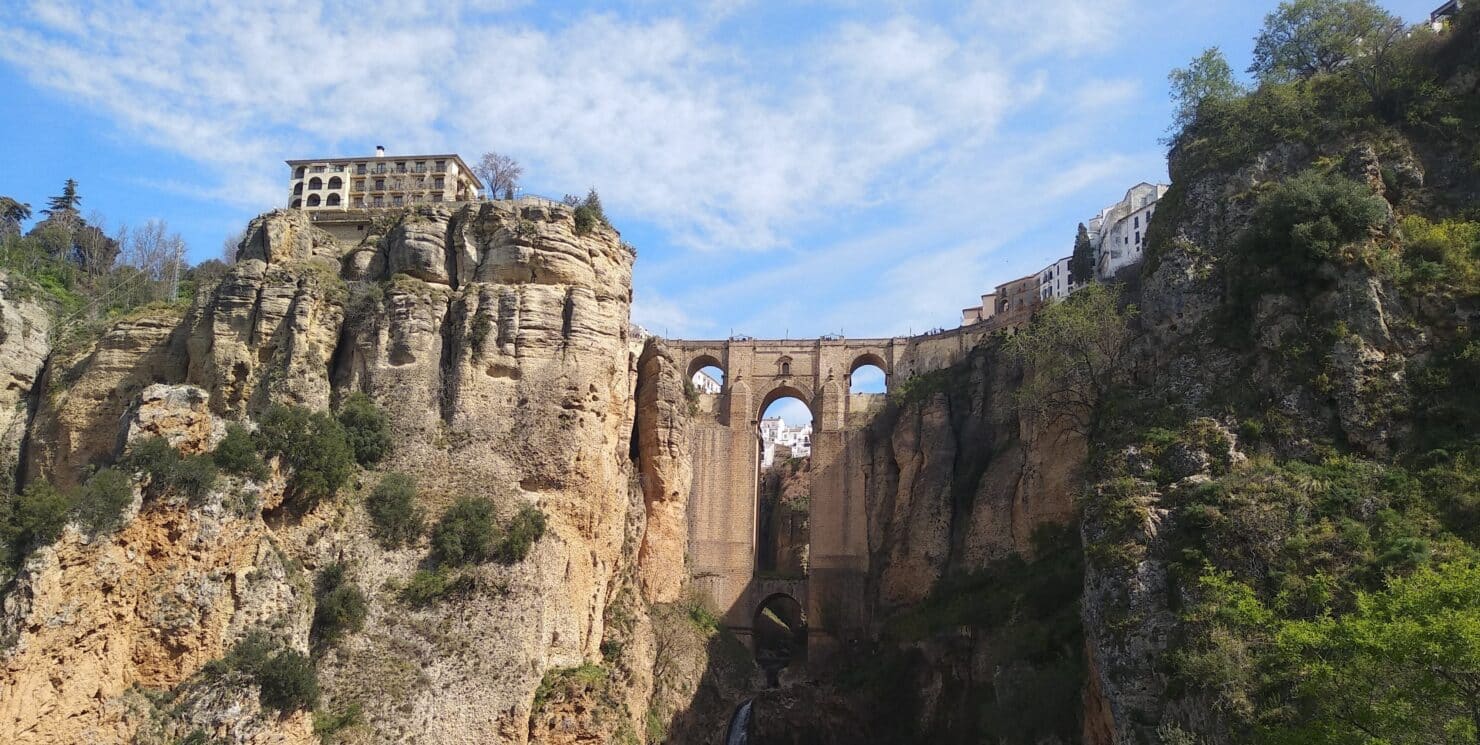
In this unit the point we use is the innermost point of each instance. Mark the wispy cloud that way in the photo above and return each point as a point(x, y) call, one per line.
point(885, 159)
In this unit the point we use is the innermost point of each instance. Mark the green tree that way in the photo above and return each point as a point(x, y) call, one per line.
point(103, 498)
point(1403, 667)
point(237, 454)
point(367, 428)
point(314, 447)
point(66, 202)
point(1302, 38)
point(527, 527)
point(1207, 79)
point(35, 518)
point(466, 533)
point(12, 214)
point(340, 607)
point(1072, 355)
point(395, 519)
point(1082, 261)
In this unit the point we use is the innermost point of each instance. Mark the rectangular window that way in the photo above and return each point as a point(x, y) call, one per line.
point(1136, 220)
point(396, 200)
point(436, 197)
point(400, 168)
point(360, 168)
point(1138, 237)
point(380, 184)
point(379, 201)
point(438, 183)
point(441, 165)
point(359, 184)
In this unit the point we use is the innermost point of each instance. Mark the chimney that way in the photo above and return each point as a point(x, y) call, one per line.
point(380, 151)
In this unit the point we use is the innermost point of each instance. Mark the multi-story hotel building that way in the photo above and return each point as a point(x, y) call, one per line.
point(380, 181)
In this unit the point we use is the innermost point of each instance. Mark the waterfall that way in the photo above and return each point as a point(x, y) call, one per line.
point(739, 730)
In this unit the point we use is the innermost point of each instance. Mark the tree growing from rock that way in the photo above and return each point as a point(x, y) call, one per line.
point(1207, 79)
point(1073, 355)
point(1302, 38)
point(500, 173)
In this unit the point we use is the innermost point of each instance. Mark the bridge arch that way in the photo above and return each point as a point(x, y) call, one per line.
point(703, 360)
point(787, 390)
point(779, 634)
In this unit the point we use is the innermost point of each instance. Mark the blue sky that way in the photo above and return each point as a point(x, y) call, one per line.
point(866, 168)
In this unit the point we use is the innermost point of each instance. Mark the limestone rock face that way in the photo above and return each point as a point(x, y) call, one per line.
point(266, 335)
point(88, 391)
point(286, 237)
point(25, 328)
point(147, 606)
point(179, 413)
point(506, 377)
point(664, 430)
point(960, 478)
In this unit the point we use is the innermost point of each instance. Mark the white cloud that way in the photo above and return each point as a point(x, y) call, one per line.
point(663, 117)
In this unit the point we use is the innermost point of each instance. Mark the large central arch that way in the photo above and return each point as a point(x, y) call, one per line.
point(722, 504)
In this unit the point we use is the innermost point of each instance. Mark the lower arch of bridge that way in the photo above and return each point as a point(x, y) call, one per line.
point(779, 634)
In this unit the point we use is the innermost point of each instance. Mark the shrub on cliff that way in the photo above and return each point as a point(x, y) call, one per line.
point(34, 518)
point(466, 533)
point(366, 427)
point(314, 447)
point(527, 527)
point(394, 517)
point(1305, 221)
point(103, 498)
point(285, 677)
point(191, 477)
point(340, 605)
point(237, 454)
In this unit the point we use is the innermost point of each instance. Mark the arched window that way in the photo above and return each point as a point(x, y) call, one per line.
point(332, 201)
point(315, 183)
point(784, 365)
point(298, 188)
point(297, 203)
point(299, 172)
point(335, 182)
point(313, 200)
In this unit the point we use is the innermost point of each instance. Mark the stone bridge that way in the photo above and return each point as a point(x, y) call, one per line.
point(722, 504)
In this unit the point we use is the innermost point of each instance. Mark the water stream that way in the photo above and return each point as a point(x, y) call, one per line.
point(739, 730)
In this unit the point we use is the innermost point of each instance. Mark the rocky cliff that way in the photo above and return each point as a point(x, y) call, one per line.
point(495, 338)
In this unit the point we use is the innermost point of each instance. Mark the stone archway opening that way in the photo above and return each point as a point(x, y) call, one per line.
point(867, 375)
point(779, 632)
point(706, 374)
point(783, 486)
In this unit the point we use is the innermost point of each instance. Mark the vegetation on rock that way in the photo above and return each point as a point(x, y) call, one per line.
point(314, 447)
point(394, 517)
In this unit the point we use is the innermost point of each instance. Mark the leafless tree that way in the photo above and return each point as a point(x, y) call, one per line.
point(159, 255)
point(230, 246)
point(500, 174)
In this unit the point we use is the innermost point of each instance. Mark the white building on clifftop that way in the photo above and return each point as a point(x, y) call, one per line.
point(1118, 233)
point(789, 442)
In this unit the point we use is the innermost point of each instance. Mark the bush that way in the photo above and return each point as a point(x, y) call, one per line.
point(289, 682)
point(466, 533)
point(1304, 221)
point(341, 606)
point(588, 212)
point(191, 477)
point(1442, 254)
point(285, 677)
point(395, 519)
point(36, 517)
point(237, 454)
point(427, 587)
point(366, 427)
point(314, 447)
point(527, 527)
point(102, 500)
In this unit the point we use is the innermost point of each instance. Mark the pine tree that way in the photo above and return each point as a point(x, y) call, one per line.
point(66, 202)
point(1082, 261)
